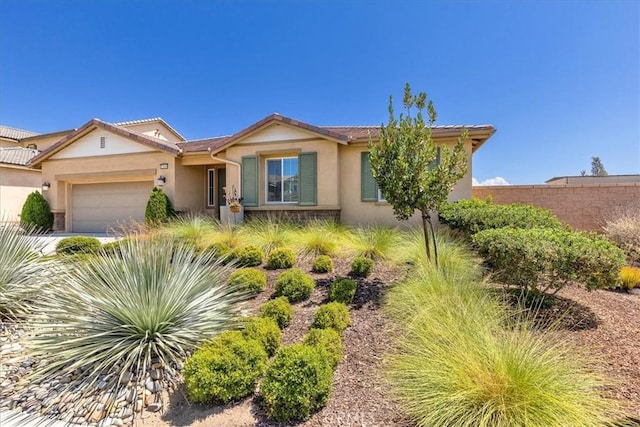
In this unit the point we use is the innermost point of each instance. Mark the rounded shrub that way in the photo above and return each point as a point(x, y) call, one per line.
point(281, 258)
point(225, 369)
point(296, 384)
point(221, 251)
point(328, 343)
point(264, 330)
point(248, 256)
point(114, 248)
point(334, 315)
point(294, 284)
point(36, 213)
point(279, 310)
point(361, 266)
point(78, 245)
point(159, 208)
point(342, 290)
point(322, 264)
point(248, 278)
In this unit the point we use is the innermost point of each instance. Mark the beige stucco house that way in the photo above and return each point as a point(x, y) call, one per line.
point(100, 175)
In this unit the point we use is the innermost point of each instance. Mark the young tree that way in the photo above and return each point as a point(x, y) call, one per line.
point(597, 168)
point(411, 172)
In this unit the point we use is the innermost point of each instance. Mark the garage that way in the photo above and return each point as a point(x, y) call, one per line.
point(101, 207)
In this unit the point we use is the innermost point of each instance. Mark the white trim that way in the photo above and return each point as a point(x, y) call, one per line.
point(381, 198)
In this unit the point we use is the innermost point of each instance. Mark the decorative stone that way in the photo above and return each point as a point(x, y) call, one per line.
point(152, 386)
point(126, 377)
point(156, 374)
point(154, 407)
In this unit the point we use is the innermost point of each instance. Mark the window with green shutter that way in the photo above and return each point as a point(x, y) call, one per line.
point(369, 186)
point(308, 179)
point(250, 181)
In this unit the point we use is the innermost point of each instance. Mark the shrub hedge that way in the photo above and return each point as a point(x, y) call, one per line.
point(543, 258)
point(264, 330)
point(78, 245)
point(294, 284)
point(333, 315)
point(280, 258)
point(279, 310)
point(472, 216)
point(249, 279)
point(342, 290)
point(296, 384)
point(322, 264)
point(36, 212)
point(225, 369)
point(361, 266)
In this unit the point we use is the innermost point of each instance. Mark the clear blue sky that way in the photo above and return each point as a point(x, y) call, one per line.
point(559, 80)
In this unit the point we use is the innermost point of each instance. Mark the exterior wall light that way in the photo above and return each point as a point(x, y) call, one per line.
point(161, 181)
point(46, 186)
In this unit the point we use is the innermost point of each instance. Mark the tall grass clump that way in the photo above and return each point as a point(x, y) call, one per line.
point(268, 234)
point(191, 229)
point(153, 302)
point(461, 361)
point(21, 271)
point(230, 235)
point(374, 242)
point(320, 237)
point(622, 226)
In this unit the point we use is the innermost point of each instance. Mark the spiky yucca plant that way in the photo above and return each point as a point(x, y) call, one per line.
point(21, 272)
point(115, 314)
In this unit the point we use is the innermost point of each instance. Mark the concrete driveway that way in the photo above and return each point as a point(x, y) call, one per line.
point(49, 241)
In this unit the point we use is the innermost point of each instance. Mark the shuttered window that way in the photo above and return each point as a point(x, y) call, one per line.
point(250, 181)
point(369, 186)
point(308, 179)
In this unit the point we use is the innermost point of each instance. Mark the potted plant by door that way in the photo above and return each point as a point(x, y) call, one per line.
point(234, 206)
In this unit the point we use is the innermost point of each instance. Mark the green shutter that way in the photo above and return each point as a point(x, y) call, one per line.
point(369, 186)
point(250, 181)
point(307, 185)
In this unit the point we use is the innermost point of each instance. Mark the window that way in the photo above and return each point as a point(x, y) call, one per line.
point(211, 187)
point(103, 141)
point(381, 198)
point(282, 180)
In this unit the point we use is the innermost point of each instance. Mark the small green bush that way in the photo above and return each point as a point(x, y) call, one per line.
point(328, 343)
point(78, 245)
point(264, 330)
point(279, 310)
point(294, 284)
point(296, 384)
point(472, 216)
point(543, 258)
point(159, 208)
point(281, 258)
point(333, 315)
point(361, 266)
point(248, 256)
point(249, 279)
point(114, 248)
point(342, 290)
point(36, 213)
point(225, 369)
point(221, 251)
point(322, 264)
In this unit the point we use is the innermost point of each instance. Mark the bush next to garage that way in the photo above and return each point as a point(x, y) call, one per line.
point(472, 216)
point(159, 208)
point(543, 259)
point(78, 245)
point(36, 213)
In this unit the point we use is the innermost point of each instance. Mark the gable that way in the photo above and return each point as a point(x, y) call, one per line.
point(154, 129)
point(278, 133)
point(93, 144)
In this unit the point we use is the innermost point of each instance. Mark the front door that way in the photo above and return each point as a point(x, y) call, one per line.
point(222, 182)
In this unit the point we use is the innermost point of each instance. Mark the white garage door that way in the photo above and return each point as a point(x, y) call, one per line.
point(99, 207)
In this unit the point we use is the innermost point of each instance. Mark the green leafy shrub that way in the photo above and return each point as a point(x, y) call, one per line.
point(78, 245)
point(266, 331)
point(36, 213)
point(543, 258)
point(472, 216)
point(294, 284)
point(281, 258)
point(159, 208)
point(342, 290)
point(249, 279)
point(322, 264)
point(248, 256)
point(225, 369)
point(361, 266)
point(333, 315)
point(296, 384)
point(152, 302)
point(328, 342)
point(220, 251)
point(279, 310)
point(114, 248)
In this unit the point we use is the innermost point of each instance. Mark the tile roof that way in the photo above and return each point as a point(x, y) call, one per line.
point(151, 120)
point(13, 133)
point(17, 155)
point(362, 132)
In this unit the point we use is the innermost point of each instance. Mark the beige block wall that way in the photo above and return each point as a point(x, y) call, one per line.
point(583, 207)
point(15, 185)
point(356, 212)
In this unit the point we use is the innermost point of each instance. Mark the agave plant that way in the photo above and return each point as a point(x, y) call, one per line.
point(21, 271)
point(151, 303)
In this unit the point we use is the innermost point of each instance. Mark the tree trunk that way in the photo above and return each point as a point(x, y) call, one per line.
point(435, 243)
point(425, 229)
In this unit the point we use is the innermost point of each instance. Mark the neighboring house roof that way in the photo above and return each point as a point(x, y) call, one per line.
point(17, 155)
point(343, 134)
point(152, 120)
point(16, 134)
point(93, 124)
